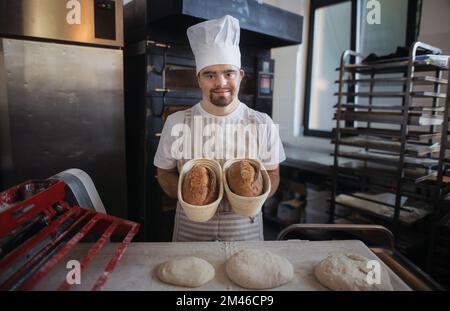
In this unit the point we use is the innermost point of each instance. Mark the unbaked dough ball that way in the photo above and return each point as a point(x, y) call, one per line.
point(187, 271)
point(348, 272)
point(258, 269)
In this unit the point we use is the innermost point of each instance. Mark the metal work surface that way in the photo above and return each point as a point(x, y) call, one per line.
point(136, 270)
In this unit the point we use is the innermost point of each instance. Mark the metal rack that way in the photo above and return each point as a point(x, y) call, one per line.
point(438, 254)
point(40, 230)
point(401, 144)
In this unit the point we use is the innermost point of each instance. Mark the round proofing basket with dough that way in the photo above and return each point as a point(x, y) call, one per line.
point(246, 206)
point(200, 213)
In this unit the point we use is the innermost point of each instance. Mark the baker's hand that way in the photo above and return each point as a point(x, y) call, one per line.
point(274, 175)
point(168, 180)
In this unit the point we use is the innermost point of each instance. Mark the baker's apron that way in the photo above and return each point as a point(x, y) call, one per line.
point(225, 225)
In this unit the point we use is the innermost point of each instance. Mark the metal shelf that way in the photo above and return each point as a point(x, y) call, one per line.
point(414, 109)
point(389, 159)
point(414, 118)
point(391, 67)
point(398, 148)
point(391, 94)
point(414, 176)
point(424, 80)
point(386, 145)
point(380, 216)
point(388, 133)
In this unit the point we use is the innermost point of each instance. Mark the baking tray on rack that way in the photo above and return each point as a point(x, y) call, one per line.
point(390, 117)
point(423, 80)
point(360, 168)
point(388, 145)
point(388, 159)
point(424, 94)
point(380, 211)
point(413, 109)
point(391, 66)
point(413, 191)
point(389, 133)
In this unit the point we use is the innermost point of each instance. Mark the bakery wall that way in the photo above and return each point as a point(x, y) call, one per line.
point(435, 24)
point(290, 76)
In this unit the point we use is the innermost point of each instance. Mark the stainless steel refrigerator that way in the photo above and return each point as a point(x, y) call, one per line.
point(61, 93)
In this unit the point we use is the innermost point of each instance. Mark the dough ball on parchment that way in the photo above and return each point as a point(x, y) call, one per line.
point(186, 271)
point(258, 269)
point(349, 272)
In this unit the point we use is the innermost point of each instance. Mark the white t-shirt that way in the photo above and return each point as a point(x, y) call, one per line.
point(243, 133)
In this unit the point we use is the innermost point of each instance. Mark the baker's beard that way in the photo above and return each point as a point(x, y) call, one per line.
point(221, 101)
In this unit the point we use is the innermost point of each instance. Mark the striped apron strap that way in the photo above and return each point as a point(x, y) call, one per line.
point(187, 121)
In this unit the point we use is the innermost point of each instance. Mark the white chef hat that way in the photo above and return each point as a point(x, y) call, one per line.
point(215, 42)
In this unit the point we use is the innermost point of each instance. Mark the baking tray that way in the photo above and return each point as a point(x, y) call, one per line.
point(390, 118)
point(361, 169)
point(136, 270)
point(391, 67)
point(389, 186)
point(408, 216)
point(388, 133)
point(423, 80)
point(389, 159)
point(424, 94)
point(413, 109)
point(368, 142)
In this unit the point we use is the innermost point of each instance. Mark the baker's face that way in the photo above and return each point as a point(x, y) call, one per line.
point(220, 83)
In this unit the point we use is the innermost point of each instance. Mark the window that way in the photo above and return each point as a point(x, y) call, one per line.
point(338, 25)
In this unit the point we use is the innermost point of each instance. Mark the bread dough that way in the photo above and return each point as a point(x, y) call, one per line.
point(200, 186)
point(187, 271)
point(245, 179)
point(348, 272)
point(259, 269)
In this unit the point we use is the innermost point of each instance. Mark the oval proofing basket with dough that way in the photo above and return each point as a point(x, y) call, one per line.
point(246, 206)
point(200, 213)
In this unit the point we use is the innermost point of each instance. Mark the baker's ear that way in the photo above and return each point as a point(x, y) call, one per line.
point(241, 73)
